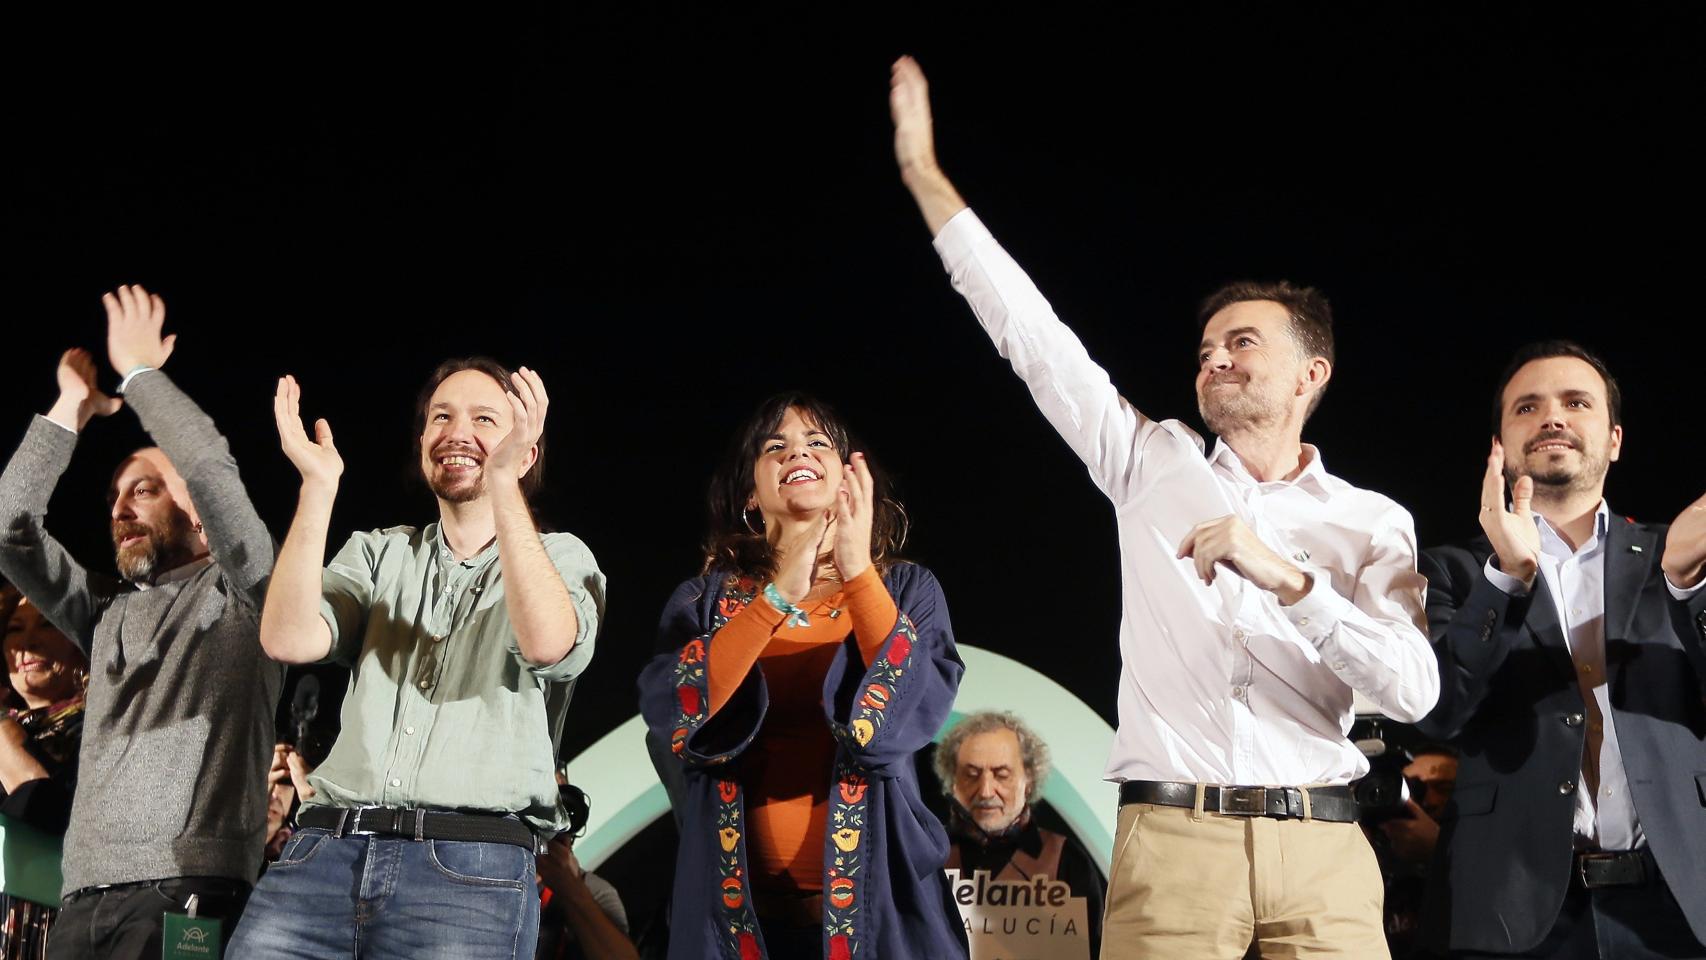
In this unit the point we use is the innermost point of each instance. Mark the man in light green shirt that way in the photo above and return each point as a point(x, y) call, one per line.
point(463, 638)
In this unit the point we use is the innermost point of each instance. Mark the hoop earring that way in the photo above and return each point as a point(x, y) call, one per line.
point(905, 522)
point(748, 521)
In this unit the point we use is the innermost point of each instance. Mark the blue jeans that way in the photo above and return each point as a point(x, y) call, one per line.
point(386, 898)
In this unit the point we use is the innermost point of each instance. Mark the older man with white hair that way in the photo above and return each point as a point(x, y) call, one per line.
point(991, 766)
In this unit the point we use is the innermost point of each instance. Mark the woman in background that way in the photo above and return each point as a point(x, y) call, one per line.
point(39, 736)
point(807, 664)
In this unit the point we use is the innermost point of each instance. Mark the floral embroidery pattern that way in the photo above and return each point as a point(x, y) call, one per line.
point(846, 851)
point(844, 859)
point(872, 705)
point(690, 678)
point(732, 896)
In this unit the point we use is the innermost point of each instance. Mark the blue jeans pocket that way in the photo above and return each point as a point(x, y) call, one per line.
point(485, 864)
point(301, 847)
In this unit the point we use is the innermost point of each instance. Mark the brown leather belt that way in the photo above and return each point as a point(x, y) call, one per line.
point(1331, 803)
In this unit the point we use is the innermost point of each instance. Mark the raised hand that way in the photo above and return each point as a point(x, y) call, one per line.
point(915, 146)
point(1685, 546)
point(1515, 538)
point(134, 319)
point(1228, 541)
point(316, 459)
point(79, 398)
point(527, 424)
point(799, 548)
point(854, 512)
point(909, 108)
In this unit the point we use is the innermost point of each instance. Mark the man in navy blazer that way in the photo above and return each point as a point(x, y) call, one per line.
point(1578, 826)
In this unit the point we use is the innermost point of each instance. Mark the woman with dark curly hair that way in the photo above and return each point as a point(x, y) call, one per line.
point(40, 732)
point(807, 664)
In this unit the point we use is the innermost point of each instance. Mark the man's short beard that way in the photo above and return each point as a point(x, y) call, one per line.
point(1556, 481)
point(159, 551)
point(443, 490)
point(1241, 411)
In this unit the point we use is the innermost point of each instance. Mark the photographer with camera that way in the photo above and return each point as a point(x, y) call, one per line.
point(580, 913)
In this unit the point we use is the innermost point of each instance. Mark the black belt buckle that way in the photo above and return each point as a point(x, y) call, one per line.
point(1627, 869)
point(1244, 801)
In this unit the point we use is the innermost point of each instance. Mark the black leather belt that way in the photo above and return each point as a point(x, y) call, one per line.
point(1331, 803)
point(417, 824)
point(1625, 868)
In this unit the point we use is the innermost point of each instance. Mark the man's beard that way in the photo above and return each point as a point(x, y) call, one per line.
point(159, 551)
point(1560, 478)
point(1235, 410)
point(452, 491)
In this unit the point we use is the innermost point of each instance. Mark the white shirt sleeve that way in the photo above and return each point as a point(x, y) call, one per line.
point(1069, 388)
point(1376, 641)
point(1683, 593)
point(1504, 581)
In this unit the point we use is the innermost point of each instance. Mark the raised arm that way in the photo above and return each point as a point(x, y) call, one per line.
point(292, 628)
point(236, 537)
point(541, 610)
point(915, 146)
point(67, 594)
point(1070, 389)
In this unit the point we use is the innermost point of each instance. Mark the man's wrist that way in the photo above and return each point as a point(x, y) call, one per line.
point(1684, 579)
point(1296, 586)
point(67, 412)
point(131, 373)
point(317, 493)
point(1524, 572)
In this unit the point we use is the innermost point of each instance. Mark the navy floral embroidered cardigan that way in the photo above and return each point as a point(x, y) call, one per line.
point(885, 894)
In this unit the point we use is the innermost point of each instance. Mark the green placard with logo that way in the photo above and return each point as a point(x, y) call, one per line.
point(190, 938)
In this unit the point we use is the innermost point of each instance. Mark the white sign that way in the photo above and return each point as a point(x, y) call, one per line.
point(1038, 919)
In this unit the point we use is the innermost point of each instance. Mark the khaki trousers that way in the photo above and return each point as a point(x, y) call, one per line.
point(1187, 885)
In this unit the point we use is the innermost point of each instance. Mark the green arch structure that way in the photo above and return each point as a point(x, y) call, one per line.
point(630, 796)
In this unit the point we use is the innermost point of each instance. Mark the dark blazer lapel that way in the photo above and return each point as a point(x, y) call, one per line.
point(1543, 622)
point(1631, 552)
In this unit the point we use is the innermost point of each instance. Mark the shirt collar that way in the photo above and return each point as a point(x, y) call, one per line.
point(1312, 478)
point(1558, 548)
point(441, 547)
point(182, 571)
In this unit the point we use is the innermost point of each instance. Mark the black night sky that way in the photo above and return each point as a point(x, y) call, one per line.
point(672, 216)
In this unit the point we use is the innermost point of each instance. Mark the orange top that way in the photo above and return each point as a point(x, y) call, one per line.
point(786, 769)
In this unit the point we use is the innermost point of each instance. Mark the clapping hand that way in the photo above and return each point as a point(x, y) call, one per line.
point(1685, 546)
point(527, 405)
point(1515, 538)
point(854, 512)
point(316, 459)
point(79, 398)
point(134, 319)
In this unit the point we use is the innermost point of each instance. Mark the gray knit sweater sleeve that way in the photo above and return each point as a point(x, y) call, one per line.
point(241, 546)
point(67, 594)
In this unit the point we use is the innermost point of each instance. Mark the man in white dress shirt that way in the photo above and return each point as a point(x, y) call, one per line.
point(1577, 827)
point(1260, 593)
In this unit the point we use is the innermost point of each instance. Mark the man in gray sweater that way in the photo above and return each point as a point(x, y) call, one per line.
point(171, 794)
